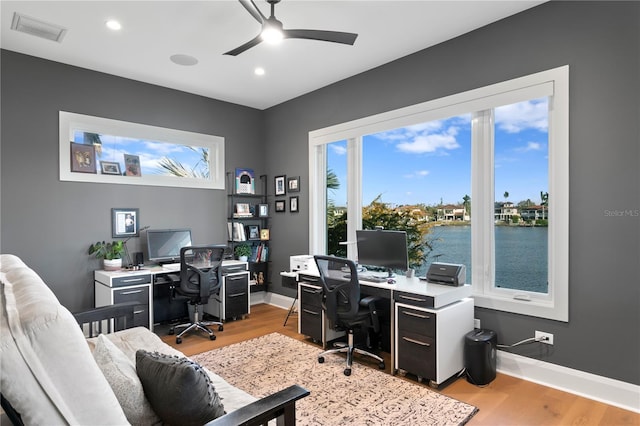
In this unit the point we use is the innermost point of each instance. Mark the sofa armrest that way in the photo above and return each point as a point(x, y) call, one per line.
point(280, 405)
point(95, 319)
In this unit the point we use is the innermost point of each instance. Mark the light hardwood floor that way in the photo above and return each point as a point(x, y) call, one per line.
point(505, 401)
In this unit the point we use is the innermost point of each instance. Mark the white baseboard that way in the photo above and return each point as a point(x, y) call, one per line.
point(273, 299)
point(609, 391)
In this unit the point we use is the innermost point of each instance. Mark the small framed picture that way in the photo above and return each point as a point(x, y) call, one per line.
point(264, 234)
point(110, 168)
point(293, 204)
point(263, 210)
point(281, 206)
point(293, 184)
point(243, 209)
point(125, 223)
point(280, 189)
point(83, 158)
point(132, 165)
point(253, 232)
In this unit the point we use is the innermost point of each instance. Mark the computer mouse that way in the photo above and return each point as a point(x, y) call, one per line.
point(391, 281)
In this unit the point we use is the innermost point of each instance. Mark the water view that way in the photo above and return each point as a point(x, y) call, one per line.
point(521, 254)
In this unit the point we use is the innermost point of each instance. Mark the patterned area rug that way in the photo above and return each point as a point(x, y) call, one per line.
point(269, 363)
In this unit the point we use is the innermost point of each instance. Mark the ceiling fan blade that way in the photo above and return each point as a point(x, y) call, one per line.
point(332, 36)
point(248, 45)
point(253, 10)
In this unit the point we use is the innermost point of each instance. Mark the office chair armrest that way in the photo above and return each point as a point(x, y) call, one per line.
point(370, 302)
point(280, 405)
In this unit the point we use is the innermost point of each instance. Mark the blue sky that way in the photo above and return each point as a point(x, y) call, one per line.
point(150, 152)
point(431, 162)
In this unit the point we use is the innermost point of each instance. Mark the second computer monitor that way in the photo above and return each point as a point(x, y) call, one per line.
point(383, 249)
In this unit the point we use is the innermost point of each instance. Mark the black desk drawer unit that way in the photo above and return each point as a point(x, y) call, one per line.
point(417, 342)
point(429, 342)
point(236, 295)
point(135, 294)
point(311, 311)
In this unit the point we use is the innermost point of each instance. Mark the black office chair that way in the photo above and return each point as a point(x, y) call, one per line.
point(200, 279)
point(344, 308)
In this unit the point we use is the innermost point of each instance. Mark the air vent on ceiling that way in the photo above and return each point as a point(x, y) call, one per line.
point(37, 28)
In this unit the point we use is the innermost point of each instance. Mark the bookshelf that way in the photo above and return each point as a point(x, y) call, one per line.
point(248, 224)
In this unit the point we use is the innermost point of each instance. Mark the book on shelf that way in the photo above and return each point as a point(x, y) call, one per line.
point(236, 231)
point(260, 253)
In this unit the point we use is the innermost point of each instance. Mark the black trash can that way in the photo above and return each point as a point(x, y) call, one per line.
point(480, 356)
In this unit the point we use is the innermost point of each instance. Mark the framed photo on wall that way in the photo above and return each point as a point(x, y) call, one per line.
point(110, 168)
point(293, 204)
point(125, 223)
point(280, 188)
point(83, 158)
point(281, 206)
point(293, 184)
point(264, 234)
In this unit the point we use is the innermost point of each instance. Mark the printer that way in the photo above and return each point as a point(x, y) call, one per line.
point(447, 274)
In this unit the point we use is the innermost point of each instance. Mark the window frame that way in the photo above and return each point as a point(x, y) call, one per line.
point(480, 102)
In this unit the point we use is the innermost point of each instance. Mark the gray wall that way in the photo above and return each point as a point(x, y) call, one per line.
point(49, 223)
point(600, 43)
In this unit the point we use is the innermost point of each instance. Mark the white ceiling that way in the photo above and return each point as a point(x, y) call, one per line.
point(155, 30)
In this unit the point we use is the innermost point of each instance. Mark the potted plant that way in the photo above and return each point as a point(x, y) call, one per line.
point(243, 251)
point(111, 253)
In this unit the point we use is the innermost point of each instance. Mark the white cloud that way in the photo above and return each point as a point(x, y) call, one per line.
point(338, 149)
point(531, 114)
point(431, 143)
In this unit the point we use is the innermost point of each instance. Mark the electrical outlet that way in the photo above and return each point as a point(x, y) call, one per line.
point(476, 323)
point(543, 337)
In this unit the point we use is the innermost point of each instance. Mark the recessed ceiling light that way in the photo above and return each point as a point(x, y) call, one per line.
point(114, 25)
point(185, 60)
point(259, 71)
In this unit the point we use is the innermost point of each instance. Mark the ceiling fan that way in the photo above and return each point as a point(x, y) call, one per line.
point(272, 30)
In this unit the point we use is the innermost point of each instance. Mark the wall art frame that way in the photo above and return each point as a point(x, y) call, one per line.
point(125, 222)
point(280, 206)
point(293, 184)
point(294, 204)
point(280, 185)
point(110, 139)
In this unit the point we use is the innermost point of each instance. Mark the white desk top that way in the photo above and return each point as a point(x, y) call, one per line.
point(442, 294)
point(153, 270)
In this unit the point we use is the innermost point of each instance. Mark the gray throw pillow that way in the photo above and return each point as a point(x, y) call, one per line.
point(178, 389)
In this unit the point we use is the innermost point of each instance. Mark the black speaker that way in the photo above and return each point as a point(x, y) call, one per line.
point(480, 356)
point(139, 259)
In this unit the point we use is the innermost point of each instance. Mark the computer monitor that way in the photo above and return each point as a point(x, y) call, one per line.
point(383, 249)
point(163, 245)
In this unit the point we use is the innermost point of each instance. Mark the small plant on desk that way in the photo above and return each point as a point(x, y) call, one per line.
point(111, 253)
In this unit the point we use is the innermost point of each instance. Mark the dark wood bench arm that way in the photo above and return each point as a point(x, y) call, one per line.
point(280, 406)
point(94, 318)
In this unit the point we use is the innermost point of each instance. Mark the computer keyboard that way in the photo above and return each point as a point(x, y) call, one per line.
point(372, 278)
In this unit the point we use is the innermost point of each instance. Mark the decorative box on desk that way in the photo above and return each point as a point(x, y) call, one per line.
point(126, 286)
point(234, 301)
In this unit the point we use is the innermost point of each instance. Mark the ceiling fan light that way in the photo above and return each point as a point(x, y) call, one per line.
point(272, 35)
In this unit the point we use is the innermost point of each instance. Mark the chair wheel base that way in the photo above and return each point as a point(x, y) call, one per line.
point(178, 340)
point(220, 328)
point(347, 371)
point(320, 359)
point(381, 366)
point(171, 331)
point(212, 337)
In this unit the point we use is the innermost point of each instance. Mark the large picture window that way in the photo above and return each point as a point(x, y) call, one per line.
point(485, 172)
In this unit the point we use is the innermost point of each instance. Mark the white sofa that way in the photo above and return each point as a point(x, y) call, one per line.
point(48, 374)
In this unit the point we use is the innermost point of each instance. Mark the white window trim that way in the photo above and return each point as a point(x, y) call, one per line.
point(555, 304)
